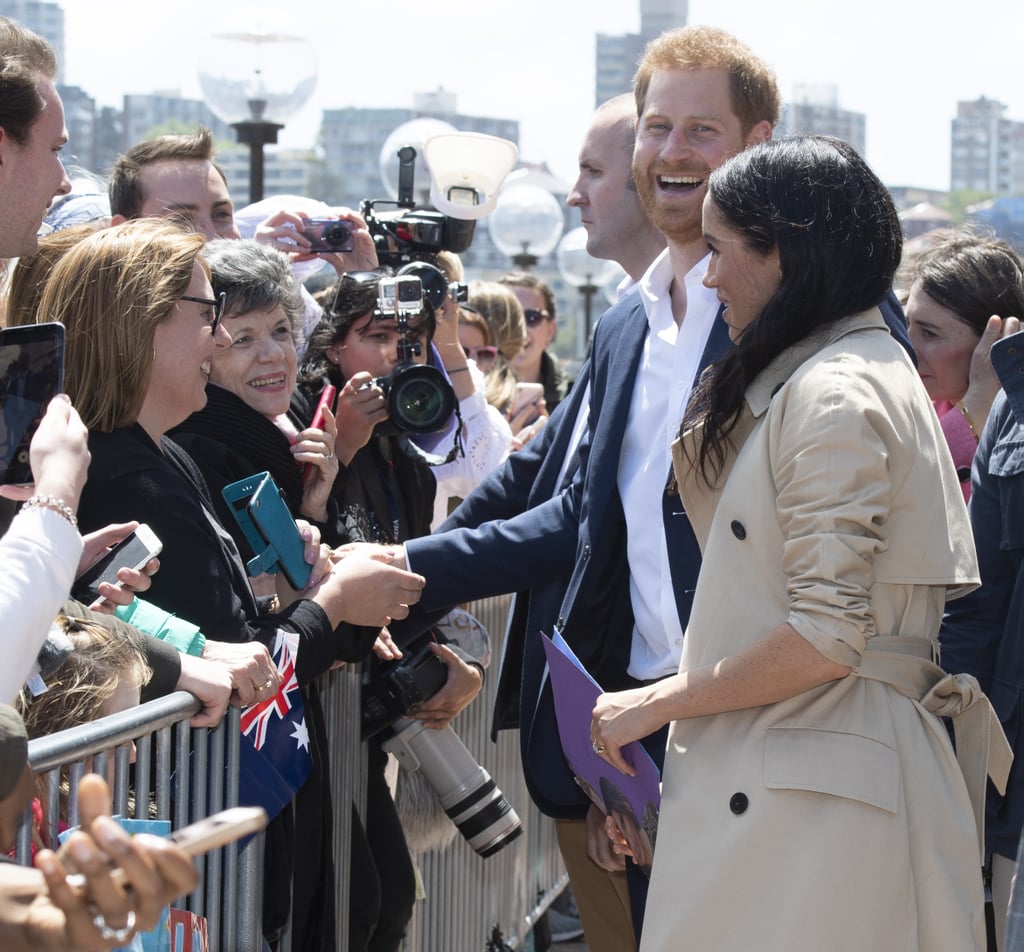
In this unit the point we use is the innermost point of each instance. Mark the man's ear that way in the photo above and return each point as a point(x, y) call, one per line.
point(117, 220)
point(759, 132)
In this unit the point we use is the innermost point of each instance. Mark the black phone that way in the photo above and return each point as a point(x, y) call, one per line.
point(31, 375)
point(132, 552)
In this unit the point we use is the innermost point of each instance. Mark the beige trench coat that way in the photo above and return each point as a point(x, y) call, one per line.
point(836, 821)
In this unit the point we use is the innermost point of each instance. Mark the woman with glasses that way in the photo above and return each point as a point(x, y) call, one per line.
point(143, 326)
point(534, 363)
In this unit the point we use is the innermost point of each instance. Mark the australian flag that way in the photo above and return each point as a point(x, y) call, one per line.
point(275, 759)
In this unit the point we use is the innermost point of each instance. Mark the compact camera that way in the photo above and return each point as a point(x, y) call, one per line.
point(420, 399)
point(328, 235)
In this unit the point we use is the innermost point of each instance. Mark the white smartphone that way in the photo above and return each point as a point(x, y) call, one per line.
point(199, 838)
point(526, 395)
point(132, 552)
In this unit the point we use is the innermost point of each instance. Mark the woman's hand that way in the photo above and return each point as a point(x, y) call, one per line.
point(315, 448)
point(58, 455)
point(133, 581)
point(363, 256)
point(526, 433)
point(463, 684)
point(983, 384)
point(360, 407)
point(619, 718)
point(254, 676)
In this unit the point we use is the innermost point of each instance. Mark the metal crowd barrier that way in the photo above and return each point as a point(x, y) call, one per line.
point(470, 904)
point(170, 757)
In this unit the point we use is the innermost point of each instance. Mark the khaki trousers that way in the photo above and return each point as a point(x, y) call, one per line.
point(601, 897)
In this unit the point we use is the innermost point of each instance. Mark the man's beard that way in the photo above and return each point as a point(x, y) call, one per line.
point(679, 225)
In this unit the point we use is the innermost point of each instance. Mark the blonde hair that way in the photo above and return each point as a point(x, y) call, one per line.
point(110, 291)
point(501, 309)
point(30, 274)
point(87, 678)
point(752, 85)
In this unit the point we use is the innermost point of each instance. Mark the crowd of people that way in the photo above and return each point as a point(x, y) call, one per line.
point(747, 516)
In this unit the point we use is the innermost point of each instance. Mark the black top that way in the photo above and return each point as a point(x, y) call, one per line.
point(201, 575)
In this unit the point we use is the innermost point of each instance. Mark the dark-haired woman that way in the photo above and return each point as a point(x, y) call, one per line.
point(383, 494)
point(968, 292)
point(811, 796)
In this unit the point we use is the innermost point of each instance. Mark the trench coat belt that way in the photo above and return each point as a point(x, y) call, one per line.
point(906, 665)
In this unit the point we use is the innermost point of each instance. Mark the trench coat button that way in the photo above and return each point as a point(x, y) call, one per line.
point(738, 803)
point(738, 529)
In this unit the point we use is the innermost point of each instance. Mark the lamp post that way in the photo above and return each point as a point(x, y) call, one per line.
point(584, 272)
point(526, 224)
point(256, 80)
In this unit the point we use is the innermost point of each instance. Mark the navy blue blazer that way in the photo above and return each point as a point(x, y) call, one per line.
point(577, 536)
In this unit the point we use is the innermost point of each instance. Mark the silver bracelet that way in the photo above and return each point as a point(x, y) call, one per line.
point(51, 502)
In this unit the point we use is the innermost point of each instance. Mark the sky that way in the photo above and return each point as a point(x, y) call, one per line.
point(904, 63)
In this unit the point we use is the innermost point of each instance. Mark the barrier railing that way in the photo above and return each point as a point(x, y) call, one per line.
point(470, 901)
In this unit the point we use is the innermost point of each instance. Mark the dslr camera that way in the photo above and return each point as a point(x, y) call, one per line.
point(399, 688)
point(466, 792)
point(419, 397)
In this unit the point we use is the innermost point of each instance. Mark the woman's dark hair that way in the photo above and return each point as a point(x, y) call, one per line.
point(974, 276)
point(355, 297)
point(838, 238)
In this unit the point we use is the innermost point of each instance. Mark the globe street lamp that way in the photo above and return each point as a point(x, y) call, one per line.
point(256, 80)
point(526, 224)
point(584, 272)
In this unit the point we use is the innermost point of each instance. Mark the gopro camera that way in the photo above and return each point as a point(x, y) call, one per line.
point(400, 296)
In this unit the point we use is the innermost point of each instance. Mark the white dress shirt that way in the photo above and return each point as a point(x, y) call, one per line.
point(664, 380)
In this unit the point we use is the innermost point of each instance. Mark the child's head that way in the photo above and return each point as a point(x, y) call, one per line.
point(103, 674)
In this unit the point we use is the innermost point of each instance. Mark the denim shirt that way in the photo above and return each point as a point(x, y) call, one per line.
point(983, 633)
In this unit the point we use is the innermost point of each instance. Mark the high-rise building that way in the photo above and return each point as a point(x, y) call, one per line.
point(352, 138)
point(814, 110)
point(46, 19)
point(144, 112)
point(987, 150)
point(616, 57)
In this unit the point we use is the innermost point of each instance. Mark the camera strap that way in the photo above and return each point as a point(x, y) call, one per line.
point(413, 449)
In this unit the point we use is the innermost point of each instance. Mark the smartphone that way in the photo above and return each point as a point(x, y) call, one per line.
point(526, 394)
point(199, 838)
point(31, 375)
point(132, 552)
point(268, 526)
point(317, 423)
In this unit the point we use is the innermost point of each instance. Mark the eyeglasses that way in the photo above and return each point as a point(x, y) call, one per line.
point(533, 316)
point(217, 305)
point(484, 356)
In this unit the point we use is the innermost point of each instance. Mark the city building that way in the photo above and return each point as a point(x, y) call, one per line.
point(987, 150)
point(167, 111)
point(814, 110)
point(616, 57)
point(44, 18)
point(285, 171)
point(352, 138)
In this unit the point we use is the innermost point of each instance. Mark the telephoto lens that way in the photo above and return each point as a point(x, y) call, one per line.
point(466, 791)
